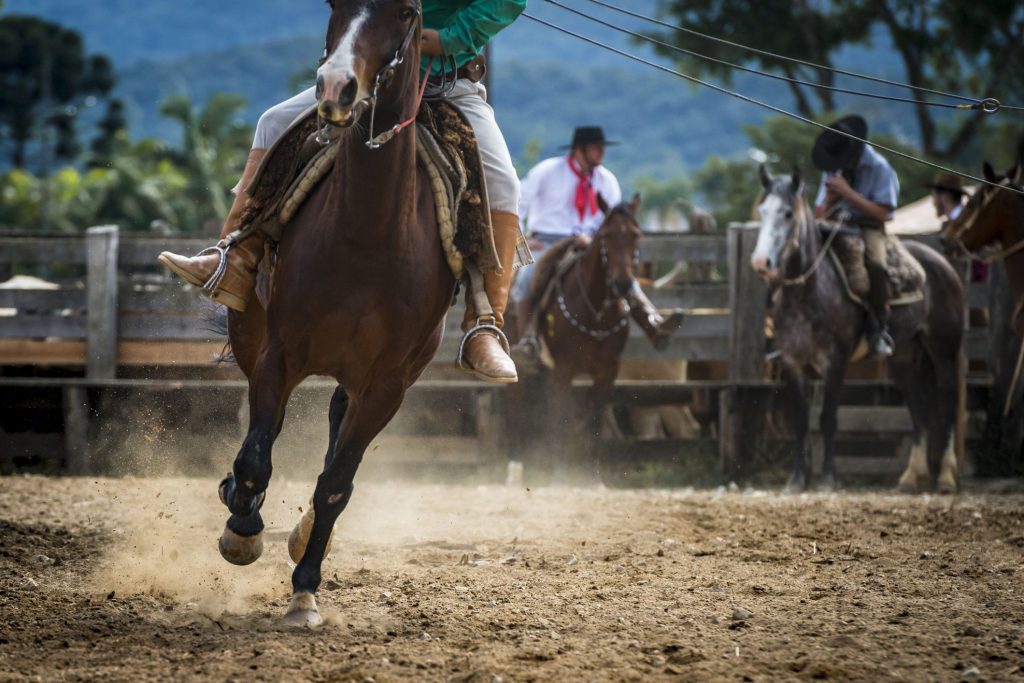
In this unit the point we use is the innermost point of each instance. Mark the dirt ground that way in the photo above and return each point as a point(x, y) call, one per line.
point(120, 580)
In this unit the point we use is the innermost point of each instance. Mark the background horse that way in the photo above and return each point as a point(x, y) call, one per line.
point(359, 293)
point(583, 326)
point(817, 329)
point(996, 215)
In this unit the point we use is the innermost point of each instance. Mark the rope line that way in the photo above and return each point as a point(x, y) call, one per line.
point(764, 105)
point(765, 74)
point(989, 105)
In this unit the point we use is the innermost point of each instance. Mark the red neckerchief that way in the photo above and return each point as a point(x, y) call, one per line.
point(586, 199)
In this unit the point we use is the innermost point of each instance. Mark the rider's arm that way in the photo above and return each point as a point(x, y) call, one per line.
point(476, 24)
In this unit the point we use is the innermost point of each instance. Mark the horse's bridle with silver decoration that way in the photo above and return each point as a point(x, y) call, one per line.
point(384, 76)
point(612, 294)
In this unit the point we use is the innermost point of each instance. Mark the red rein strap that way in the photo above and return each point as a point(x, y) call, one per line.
point(398, 128)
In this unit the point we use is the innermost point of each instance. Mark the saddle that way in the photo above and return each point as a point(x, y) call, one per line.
point(906, 276)
point(446, 150)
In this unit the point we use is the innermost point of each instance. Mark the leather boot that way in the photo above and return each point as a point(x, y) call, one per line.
point(235, 286)
point(659, 330)
point(484, 353)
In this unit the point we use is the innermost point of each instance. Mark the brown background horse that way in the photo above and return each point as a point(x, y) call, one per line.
point(359, 293)
point(583, 327)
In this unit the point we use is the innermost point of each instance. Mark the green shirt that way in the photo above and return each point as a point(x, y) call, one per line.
point(465, 26)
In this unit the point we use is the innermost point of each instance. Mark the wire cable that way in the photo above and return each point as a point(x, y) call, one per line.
point(989, 105)
point(757, 72)
point(764, 105)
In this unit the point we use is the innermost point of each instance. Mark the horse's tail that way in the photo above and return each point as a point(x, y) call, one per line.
point(214, 318)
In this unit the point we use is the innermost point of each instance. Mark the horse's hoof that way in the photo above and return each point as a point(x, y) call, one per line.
point(240, 550)
point(907, 487)
point(302, 611)
point(947, 488)
point(795, 485)
point(827, 485)
point(299, 537)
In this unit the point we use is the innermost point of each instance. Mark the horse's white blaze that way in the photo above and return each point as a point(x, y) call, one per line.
point(775, 227)
point(342, 59)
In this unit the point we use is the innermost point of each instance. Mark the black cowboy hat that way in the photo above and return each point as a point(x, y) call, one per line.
point(950, 182)
point(834, 151)
point(588, 135)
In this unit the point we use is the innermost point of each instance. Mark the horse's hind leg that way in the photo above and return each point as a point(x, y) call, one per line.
point(243, 490)
point(915, 386)
point(363, 420)
point(300, 534)
point(829, 419)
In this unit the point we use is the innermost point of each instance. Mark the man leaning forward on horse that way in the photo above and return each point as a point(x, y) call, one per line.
point(454, 34)
point(860, 188)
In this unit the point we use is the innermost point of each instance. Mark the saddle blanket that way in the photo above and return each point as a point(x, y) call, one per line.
point(906, 276)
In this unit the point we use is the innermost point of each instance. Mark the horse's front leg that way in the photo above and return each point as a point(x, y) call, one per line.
point(299, 536)
point(829, 420)
point(364, 418)
point(598, 396)
point(797, 412)
point(244, 490)
point(561, 425)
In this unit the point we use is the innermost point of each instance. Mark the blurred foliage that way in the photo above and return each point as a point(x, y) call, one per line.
point(142, 185)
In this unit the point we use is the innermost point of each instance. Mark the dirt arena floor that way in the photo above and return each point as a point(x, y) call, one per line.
point(120, 580)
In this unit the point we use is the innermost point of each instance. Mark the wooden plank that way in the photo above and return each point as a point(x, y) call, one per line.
point(43, 353)
point(661, 247)
point(130, 353)
point(138, 250)
point(42, 249)
point(703, 295)
point(747, 302)
point(187, 327)
point(42, 299)
point(43, 326)
point(101, 288)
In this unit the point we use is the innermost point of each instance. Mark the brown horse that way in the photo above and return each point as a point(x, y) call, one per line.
point(817, 328)
point(359, 293)
point(994, 214)
point(583, 324)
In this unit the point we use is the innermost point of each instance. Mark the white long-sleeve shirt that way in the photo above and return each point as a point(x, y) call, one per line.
point(547, 203)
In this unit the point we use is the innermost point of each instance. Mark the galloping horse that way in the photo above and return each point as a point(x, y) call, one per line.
point(359, 293)
point(994, 215)
point(583, 325)
point(818, 328)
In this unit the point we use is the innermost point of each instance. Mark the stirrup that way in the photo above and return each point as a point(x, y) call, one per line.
point(481, 324)
point(883, 345)
point(220, 248)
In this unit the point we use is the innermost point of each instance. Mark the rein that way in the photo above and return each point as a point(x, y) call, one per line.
point(969, 223)
point(794, 241)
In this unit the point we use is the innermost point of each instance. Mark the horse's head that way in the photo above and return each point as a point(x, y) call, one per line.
point(367, 41)
point(783, 212)
point(618, 239)
point(988, 212)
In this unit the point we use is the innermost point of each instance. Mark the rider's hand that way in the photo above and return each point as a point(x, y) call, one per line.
point(582, 241)
point(837, 184)
point(430, 44)
point(534, 244)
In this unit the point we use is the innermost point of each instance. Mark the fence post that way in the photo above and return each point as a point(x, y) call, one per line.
point(747, 298)
point(101, 284)
point(101, 244)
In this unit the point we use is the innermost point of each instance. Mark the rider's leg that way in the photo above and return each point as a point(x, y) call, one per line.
point(483, 352)
point(879, 340)
point(235, 286)
point(658, 329)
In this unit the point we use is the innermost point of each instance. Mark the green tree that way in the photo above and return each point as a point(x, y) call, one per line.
point(960, 46)
point(112, 123)
point(45, 76)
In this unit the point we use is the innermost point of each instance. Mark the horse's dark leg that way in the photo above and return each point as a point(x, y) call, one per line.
point(906, 371)
point(829, 421)
point(943, 395)
point(243, 491)
point(299, 536)
point(597, 399)
point(364, 418)
point(797, 410)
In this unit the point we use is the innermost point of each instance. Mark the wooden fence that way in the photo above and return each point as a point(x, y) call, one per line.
point(116, 319)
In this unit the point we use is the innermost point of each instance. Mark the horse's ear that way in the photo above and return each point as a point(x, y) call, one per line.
point(796, 181)
point(1014, 174)
point(602, 204)
point(634, 204)
point(766, 180)
point(990, 173)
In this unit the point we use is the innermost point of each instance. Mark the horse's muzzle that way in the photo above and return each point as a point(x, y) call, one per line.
point(337, 97)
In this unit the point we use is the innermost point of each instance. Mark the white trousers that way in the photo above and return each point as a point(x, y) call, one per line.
point(471, 99)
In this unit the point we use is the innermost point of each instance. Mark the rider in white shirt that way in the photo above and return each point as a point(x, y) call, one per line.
point(559, 200)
